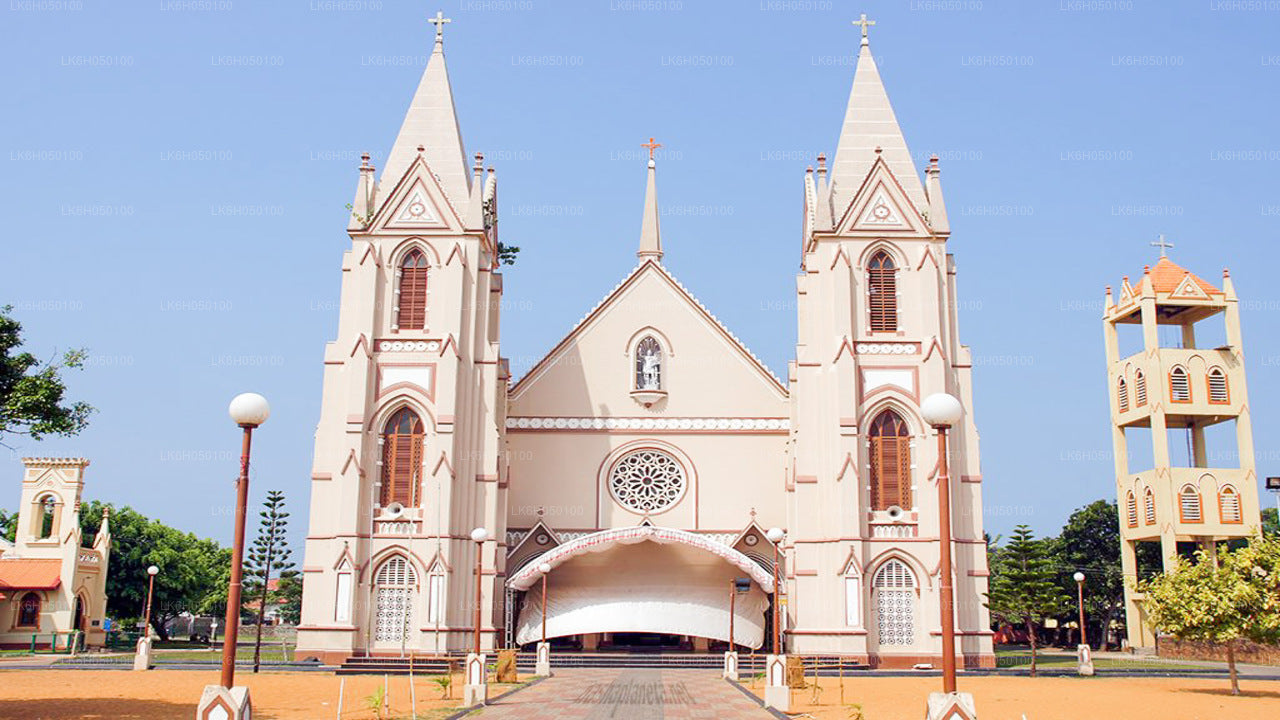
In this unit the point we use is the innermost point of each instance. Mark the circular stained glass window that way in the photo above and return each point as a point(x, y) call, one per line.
point(647, 481)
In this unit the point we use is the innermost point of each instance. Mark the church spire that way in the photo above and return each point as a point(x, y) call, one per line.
point(650, 233)
point(871, 128)
point(432, 123)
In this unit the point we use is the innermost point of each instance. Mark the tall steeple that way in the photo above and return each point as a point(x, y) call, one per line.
point(870, 125)
point(650, 233)
point(432, 123)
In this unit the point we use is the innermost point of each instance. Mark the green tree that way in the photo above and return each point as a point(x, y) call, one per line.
point(1270, 524)
point(1023, 588)
point(288, 595)
point(1237, 597)
point(8, 525)
point(32, 393)
point(193, 571)
point(270, 553)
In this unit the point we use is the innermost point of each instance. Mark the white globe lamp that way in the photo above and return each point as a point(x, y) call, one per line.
point(941, 410)
point(249, 410)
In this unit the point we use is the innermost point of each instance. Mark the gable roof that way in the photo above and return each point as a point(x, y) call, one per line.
point(647, 266)
point(1167, 276)
point(30, 574)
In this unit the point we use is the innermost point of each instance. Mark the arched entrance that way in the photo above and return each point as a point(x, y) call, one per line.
point(394, 589)
point(645, 581)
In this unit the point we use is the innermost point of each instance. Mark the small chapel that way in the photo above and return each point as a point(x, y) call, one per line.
point(646, 458)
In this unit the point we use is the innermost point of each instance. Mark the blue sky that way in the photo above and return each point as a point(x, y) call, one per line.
point(175, 175)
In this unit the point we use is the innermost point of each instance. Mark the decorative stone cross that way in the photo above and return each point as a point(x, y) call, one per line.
point(865, 23)
point(439, 20)
point(1163, 245)
point(651, 145)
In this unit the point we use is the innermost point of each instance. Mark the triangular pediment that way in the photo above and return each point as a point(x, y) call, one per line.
point(416, 204)
point(881, 206)
point(1188, 289)
point(590, 373)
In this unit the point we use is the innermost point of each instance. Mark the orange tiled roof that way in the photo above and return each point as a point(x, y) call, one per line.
point(1167, 275)
point(30, 574)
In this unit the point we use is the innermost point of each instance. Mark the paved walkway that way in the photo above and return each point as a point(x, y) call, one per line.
point(628, 694)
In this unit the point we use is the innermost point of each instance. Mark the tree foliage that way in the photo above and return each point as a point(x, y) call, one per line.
point(1024, 588)
point(1237, 597)
point(270, 553)
point(32, 393)
point(193, 571)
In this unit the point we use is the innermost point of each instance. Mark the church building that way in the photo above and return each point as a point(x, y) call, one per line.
point(645, 458)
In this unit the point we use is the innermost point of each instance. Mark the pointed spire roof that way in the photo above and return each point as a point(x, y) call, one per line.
point(650, 232)
point(432, 123)
point(869, 123)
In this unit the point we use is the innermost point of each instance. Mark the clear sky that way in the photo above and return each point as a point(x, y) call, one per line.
point(175, 175)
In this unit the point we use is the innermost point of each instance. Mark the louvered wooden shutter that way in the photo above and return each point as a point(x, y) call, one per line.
point(1218, 393)
point(1189, 504)
point(1149, 503)
point(413, 292)
point(1140, 389)
point(882, 285)
point(1131, 509)
point(1229, 505)
point(1122, 393)
point(1179, 386)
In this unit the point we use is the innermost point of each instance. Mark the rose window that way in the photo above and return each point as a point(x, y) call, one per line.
point(647, 481)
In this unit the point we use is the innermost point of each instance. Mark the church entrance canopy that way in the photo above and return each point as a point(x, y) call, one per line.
point(647, 580)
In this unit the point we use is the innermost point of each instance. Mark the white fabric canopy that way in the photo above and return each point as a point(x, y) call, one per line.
point(626, 585)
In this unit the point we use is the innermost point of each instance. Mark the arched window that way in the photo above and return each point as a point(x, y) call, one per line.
point(1131, 509)
point(1189, 505)
point(48, 510)
point(401, 459)
point(1122, 395)
point(1229, 505)
point(412, 302)
point(1139, 388)
point(648, 364)
point(1179, 385)
point(435, 594)
point(395, 585)
point(895, 597)
point(1149, 507)
point(342, 593)
point(29, 610)
point(890, 462)
point(882, 286)
point(1219, 393)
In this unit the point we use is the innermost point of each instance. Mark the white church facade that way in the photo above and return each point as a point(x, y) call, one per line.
point(645, 457)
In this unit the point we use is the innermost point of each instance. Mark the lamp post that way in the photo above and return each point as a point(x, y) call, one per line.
point(545, 569)
point(775, 536)
point(152, 571)
point(248, 410)
point(1084, 633)
point(942, 411)
point(479, 535)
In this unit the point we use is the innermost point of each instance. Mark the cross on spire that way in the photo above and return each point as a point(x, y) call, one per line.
point(865, 23)
point(1163, 245)
point(651, 146)
point(439, 20)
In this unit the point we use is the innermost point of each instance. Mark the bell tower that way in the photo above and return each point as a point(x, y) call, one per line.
point(1178, 391)
point(407, 455)
point(878, 332)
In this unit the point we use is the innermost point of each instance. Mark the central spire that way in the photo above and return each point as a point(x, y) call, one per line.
point(432, 123)
point(650, 233)
point(871, 129)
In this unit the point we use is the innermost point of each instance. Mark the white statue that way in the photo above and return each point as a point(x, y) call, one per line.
point(649, 371)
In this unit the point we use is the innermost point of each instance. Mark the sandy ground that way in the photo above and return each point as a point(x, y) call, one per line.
point(173, 694)
point(1009, 698)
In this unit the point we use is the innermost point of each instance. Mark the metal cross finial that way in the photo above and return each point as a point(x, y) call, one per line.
point(439, 20)
point(865, 23)
point(651, 145)
point(1163, 245)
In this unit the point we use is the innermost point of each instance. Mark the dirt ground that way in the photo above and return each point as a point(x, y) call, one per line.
point(173, 694)
point(1009, 698)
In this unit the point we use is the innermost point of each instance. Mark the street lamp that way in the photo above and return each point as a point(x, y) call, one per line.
point(942, 411)
point(248, 410)
point(152, 571)
point(775, 536)
point(479, 535)
point(544, 568)
point(1079, 578)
